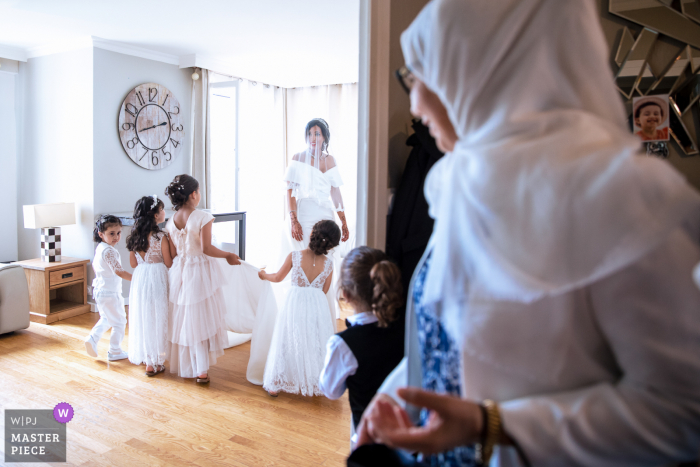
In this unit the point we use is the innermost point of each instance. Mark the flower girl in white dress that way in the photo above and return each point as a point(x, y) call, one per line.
point(148, 298)
point(197, 321)
point(304, 324)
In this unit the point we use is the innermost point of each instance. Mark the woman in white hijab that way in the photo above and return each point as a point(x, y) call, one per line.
point(556, 297)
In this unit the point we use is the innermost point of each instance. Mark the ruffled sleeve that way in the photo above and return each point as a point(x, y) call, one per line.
point(204, 218)
point(333, 176)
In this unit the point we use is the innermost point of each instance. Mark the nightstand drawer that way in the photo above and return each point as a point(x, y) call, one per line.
point(66, 275)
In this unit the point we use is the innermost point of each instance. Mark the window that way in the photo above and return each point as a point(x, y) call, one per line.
point(224, 146)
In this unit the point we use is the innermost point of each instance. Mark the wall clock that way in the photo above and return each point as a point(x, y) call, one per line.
point(150, 126)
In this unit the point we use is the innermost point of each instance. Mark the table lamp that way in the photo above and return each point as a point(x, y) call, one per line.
point(46, 217)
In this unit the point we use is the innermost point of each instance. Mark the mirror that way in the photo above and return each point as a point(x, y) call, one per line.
point(661, 17)
point(680, 78)
point(691, 9)
point(630, 73)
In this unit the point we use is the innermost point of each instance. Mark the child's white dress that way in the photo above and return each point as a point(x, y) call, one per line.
point(303, 327)
point(148, 307)
point(197, 326)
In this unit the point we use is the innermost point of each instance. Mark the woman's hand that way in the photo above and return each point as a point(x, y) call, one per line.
point(346, 232)
point(233, 259)
point(364, 435)
point(262, 275)
point(453, 422)
point(297, 233)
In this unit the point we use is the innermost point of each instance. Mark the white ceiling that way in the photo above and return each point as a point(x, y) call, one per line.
point(283, 42)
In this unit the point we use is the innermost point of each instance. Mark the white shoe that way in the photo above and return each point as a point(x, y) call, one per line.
point(90, 347)
point(117, 356)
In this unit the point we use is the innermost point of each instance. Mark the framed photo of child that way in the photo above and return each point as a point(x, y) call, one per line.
point(650, 117)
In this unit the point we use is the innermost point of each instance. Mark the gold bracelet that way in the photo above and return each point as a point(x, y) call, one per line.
point(491, 433)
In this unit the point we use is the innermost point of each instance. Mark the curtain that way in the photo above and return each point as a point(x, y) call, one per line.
point(261, 168)
point(201, 147)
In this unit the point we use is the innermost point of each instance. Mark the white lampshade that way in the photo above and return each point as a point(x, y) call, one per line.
point(38, 216)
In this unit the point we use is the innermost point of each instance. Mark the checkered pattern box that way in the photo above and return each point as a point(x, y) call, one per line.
point(51, 244)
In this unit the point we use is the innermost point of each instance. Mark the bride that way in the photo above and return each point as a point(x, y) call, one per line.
point(313, 194)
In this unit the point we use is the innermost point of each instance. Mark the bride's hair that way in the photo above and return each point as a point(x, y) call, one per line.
point(145, 213)
point(324, 236)
point(372, 282)
point(180, 189)
point(325, 130)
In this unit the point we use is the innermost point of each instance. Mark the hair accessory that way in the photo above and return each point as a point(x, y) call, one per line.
point(155, 201)
point(325, 124)
point(180, 187)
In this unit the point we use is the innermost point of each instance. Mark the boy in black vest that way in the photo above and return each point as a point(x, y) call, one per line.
point(363, 355)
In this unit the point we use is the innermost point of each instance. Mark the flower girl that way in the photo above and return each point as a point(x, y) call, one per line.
point(148, 299)
point(305, 323)
point(197, 326)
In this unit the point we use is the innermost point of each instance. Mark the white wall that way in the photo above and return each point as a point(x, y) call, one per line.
point(8, 168)
point(118, 181)
point(56, 135)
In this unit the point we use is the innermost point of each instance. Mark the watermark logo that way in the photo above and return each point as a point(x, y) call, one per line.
point(63, 412)
point(37, 435)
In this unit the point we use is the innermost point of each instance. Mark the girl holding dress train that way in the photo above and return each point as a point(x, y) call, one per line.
point(197, 327)
point(304, 324)
point(148, 299)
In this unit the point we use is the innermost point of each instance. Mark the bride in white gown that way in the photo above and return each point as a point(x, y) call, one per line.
point(313, 194)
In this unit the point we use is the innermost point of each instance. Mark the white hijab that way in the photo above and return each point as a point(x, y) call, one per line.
point(544, 191)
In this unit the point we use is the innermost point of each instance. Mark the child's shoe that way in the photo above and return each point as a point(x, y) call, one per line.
point(91, 347)
point(121, 355)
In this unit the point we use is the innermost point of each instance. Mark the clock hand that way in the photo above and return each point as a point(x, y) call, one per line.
point(160, 124)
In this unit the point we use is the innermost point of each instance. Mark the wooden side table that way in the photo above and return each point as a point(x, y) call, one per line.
point(56, 290)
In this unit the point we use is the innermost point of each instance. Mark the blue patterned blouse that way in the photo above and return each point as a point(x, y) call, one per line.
point(440, 367)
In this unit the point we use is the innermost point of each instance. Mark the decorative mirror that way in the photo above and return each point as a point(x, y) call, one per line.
point(679, 79)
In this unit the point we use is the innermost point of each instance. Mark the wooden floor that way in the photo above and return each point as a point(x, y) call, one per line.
point(124, 418)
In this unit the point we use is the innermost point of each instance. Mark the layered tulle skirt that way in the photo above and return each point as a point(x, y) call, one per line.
point(298, 347)
point(197, 322)
point(148, 314)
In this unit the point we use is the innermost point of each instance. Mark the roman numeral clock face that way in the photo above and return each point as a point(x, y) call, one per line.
point(150, 127)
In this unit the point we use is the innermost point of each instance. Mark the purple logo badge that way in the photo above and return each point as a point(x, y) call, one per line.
point(63, 412)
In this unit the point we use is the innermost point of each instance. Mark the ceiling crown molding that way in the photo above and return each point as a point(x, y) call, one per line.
point(135, 51)
point(59, 47)
point(13, 53)
point(22, 55)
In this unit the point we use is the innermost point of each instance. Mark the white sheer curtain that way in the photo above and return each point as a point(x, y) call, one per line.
point(337, 104)
point(261, 167)
point(201, 145)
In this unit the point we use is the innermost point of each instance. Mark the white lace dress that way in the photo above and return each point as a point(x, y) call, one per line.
point(148, 307)
point(197, 320)
point(302, 330)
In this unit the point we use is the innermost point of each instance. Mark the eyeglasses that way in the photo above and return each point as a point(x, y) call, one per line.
point(406, 79)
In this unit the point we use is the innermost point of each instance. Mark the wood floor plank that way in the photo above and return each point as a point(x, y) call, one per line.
point(124, 418)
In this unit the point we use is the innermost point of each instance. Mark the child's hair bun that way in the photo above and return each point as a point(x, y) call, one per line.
point(180, 189)
point(324, 237)
point(387, 291)
point(372, 282)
